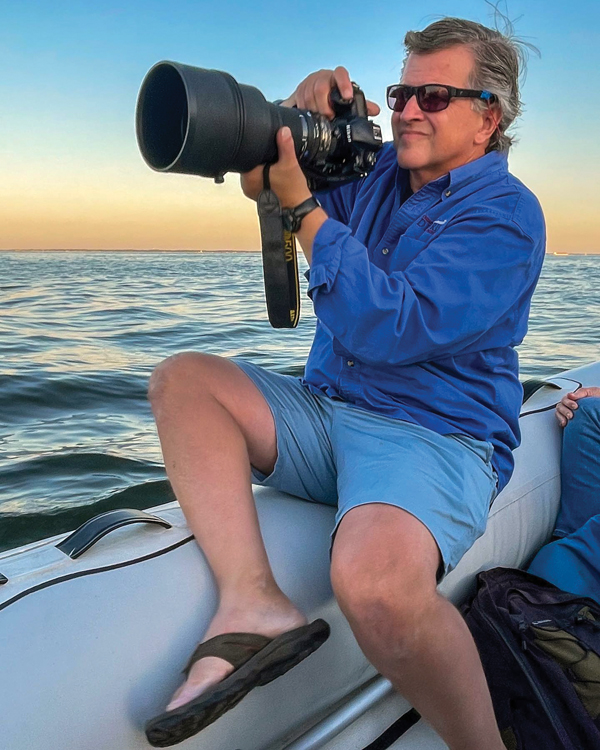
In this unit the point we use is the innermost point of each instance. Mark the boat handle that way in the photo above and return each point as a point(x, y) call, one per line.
point(533, 385)
point(95, 528)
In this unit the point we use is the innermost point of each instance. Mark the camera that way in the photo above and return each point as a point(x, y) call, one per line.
point(203, 122)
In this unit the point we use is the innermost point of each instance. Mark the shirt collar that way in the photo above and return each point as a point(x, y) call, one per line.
point(490, 162)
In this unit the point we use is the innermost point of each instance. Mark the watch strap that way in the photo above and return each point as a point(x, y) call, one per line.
point(292, 217)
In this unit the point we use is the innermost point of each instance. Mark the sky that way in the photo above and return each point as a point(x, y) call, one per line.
point(72, 177)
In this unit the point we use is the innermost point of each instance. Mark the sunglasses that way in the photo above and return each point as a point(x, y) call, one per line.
point(433, 97)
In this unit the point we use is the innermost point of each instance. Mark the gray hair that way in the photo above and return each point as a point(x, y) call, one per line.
point(500, 58)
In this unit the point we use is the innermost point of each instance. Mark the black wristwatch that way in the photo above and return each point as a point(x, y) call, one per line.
point(292, 217)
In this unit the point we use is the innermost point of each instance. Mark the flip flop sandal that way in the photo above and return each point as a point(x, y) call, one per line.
point(257, 660)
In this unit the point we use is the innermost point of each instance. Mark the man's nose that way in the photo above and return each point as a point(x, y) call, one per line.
point(412, 111)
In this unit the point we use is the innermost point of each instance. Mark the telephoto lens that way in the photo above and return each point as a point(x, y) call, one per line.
point(203, 122)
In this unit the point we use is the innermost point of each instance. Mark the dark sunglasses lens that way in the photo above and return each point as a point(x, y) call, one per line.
point(433, 98)
point(398, 98)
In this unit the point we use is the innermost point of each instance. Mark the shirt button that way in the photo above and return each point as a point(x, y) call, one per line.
point(448, 193)
point(350, 363)
point(385, 250)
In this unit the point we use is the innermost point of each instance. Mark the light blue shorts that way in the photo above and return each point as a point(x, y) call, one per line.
point(331, 452)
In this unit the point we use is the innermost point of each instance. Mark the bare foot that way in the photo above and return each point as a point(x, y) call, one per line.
point(270, 618)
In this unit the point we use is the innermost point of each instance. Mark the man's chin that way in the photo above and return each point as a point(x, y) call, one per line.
point(408, 159)
point(411, 155)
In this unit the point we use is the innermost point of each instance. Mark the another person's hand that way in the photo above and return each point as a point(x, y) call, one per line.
point(568, 404)
point(312, 94)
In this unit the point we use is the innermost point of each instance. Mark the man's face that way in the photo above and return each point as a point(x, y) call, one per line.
point(430, 144)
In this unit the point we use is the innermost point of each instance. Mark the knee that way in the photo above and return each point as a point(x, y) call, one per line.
point(382, 605)
point(176, 374)
point(584, 427)
point(588, 409)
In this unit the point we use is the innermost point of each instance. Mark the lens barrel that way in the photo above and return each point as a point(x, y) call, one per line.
point(203, 122)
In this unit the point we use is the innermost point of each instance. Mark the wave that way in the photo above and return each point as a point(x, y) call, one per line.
point(24, 527)
point(31, 396)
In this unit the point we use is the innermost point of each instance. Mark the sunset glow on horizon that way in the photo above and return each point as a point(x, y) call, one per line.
point(73, 178)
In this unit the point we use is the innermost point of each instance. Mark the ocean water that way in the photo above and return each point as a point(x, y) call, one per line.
point(80, 334)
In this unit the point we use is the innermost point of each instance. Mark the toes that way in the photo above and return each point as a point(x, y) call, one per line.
point(203, 674)
point(184, 695)
point(176, 700)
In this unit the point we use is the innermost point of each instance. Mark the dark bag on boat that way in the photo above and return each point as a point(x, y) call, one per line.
point(540, 649)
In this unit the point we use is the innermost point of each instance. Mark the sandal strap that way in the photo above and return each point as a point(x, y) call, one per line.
point(236, 648)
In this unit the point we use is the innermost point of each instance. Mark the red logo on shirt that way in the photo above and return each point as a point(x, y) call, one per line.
point(429, 225)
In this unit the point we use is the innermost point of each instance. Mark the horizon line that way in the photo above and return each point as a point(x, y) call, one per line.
point(188, 250)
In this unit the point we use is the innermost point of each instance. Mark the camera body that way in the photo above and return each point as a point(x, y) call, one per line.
point(203, 122)
point(342, 149)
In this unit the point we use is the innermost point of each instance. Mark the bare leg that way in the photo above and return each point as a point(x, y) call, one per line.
point(213, 423)
point(383, 572)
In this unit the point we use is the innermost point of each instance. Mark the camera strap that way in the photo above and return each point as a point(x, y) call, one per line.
point(280, 260)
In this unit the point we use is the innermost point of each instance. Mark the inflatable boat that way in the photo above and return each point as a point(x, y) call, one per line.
point(95, 626)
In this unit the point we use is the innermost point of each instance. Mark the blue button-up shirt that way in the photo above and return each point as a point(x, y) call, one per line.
point(420, 304)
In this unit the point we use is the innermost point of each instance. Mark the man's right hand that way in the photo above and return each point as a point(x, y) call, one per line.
point(312, 94)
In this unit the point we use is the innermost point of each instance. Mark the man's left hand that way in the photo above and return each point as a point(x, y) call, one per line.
point(286, 177)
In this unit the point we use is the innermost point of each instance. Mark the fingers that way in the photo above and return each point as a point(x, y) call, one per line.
point(313, 93)
point(373, 108)
point(286, 148)
point(565, 408)
point(288, 181)
point(579, 393)
point(342, 80)
point(252, 182)
point(563, 414)
point(319, 96)
point(585, 393)
point(562, 421)
point(569, 403)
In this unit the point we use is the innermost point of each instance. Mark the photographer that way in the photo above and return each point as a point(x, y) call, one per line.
point(421, 276)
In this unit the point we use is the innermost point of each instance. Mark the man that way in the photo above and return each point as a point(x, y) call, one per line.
point(580, 463)
point(421, 277)
point(570, 560)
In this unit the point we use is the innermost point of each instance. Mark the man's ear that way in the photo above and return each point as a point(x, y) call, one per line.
point(491, 117)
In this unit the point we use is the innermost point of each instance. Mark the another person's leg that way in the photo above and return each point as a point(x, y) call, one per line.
point(214, 424)
point(580, 468)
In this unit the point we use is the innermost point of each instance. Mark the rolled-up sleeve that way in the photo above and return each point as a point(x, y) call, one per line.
point(481, 267)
